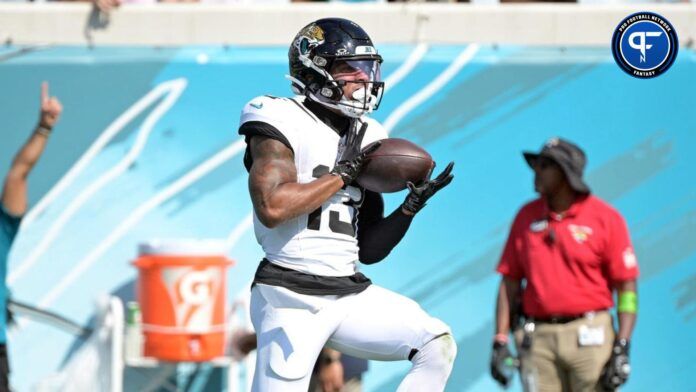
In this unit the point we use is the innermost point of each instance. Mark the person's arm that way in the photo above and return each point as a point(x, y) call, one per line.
point(622, 268)
point(627, 308)
point(508, 294)
point(617, 369)
point(501, 358)
point(275, 193)
point(377, 234)
point(623, 272)
point(14, 194)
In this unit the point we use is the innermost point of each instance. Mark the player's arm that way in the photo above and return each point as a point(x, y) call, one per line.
point(14, 193)
point(377, 234)
point(275, 192)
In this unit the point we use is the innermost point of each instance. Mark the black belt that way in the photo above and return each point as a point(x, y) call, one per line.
point(560, 319)
point(555, 319)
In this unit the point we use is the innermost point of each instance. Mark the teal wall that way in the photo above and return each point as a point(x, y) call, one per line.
point(640, 136)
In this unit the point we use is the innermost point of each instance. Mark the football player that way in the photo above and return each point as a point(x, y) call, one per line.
point(315, 223)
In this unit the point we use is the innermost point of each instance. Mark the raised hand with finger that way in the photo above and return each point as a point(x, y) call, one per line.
point(50, 111)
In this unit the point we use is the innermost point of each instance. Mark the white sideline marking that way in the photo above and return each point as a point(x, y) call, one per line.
point(173, 89)
point(439, 82)
point(239, 231)
point(404, 69)
point(162, 196)
point(112, 130)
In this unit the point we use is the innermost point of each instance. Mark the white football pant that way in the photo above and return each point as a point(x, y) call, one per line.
point(375, 324)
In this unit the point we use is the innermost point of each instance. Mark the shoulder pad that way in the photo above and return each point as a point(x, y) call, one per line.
point(263, 104)
point(267, 109)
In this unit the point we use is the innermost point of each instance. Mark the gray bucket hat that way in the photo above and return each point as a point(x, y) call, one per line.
point(568, 156)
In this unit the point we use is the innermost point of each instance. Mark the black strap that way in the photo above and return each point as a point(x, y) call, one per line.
point(300, 282)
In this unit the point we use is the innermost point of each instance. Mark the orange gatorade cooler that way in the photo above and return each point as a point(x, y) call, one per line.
point(182, 291)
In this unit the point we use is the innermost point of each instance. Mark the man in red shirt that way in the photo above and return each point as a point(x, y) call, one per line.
point(567, 252)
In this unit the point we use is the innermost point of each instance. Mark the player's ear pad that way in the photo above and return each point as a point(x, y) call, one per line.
point(293, 346)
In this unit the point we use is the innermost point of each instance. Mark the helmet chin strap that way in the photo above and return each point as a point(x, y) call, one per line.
point(297, 86)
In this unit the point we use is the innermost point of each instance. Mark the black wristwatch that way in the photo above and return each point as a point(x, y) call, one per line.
point(624, 343)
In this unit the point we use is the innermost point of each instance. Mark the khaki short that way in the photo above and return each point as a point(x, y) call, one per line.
point(557, 361)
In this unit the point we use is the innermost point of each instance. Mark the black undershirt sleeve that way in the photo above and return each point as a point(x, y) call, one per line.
point(378, 235)
point(260, 128)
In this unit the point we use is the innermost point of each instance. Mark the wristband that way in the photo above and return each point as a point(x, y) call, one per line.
point(43, 131)
point(628, 302)
point(501, 337)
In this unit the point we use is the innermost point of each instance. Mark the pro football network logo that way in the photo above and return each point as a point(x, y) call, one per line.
point(645, 45)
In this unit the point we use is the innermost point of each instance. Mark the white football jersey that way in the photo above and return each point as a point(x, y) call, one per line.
point(323, 242)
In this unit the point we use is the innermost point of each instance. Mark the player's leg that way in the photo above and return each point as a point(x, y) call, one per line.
point(383, 325)
point(291, 329)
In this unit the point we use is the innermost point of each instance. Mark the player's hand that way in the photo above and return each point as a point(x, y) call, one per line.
point(502, 364)
point(419, 194)
point(618, 368)
point(51, 108)
point(350, 159)
point(331, 376)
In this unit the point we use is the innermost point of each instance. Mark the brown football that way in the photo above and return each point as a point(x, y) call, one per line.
point(392, 164)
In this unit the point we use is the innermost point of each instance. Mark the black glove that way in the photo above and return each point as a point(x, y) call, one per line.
point(350, 160)
point(502, 364)
point(618, 368)
point(418, 195)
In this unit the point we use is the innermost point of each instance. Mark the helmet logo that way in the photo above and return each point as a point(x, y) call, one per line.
point(309, 38)
point(342, 52)
point(303, 45)
point(315, 33)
